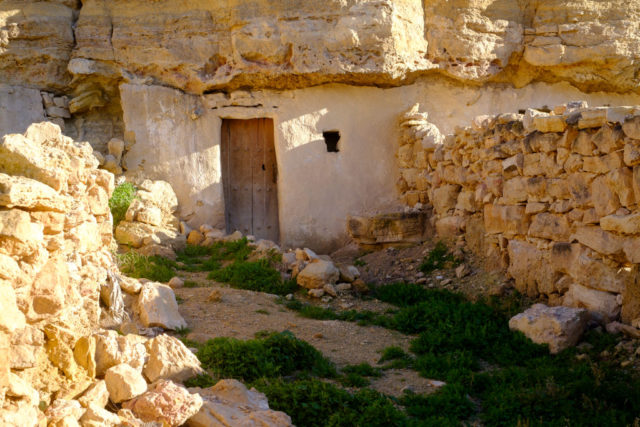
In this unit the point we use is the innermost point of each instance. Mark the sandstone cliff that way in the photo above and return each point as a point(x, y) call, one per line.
point(205, 45)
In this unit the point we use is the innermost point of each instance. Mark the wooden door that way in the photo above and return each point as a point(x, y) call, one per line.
point(249, 177)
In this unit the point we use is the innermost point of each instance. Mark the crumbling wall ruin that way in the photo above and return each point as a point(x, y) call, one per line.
point(552, 197)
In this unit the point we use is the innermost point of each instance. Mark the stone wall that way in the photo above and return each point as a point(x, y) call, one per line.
point(552, 197)
point(55, 231)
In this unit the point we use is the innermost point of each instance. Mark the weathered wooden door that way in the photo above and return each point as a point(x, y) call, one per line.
point(249, 177)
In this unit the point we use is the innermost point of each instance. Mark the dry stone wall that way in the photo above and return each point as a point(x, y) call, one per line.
point(55, 229)
point(553, 197)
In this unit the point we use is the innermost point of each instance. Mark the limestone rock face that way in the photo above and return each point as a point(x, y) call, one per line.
point(227, 44)
point(559, 327)
point(36, 42)
point(170, 359)
point(158, 307)
point(229, 402)
point(166, 403)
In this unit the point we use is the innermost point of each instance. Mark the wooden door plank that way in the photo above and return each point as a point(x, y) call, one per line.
point(250, 177)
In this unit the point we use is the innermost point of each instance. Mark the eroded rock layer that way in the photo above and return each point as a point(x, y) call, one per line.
point(205, 45)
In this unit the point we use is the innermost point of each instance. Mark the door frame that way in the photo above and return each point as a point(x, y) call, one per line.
point(251, 114)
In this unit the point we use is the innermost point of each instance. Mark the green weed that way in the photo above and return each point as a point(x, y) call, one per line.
point(192, 284)
point(120, 200)
point(278, 354)
point(438, 258)
point(154, 268)
point(255, 276)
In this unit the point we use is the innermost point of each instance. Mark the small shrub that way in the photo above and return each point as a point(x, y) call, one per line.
point(202, 381)
point(359, 263)
point(438, 258)
point(275, 355)
point(183, 331)
point(254, 276)
point(120, 200)
point(314, 403)
point(138, 266)
point(363, 369)
point(398, 357)
point(262, 311)
point(352, 379)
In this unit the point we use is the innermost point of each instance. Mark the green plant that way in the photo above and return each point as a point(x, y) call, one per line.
point(183, 331)
point(120, 200)
point(262, 311)
point(438, 258)
point(255, 276)
point(154, 268)
point(352, 379)
point(276, 355)
point(315, 403)
point(202, 381)
point(397, 357)
point(359, 262)
point(363, 369)
point(179, 299)
point(192, 284)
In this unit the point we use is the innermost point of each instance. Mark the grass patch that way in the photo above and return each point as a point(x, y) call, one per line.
point(202, 381)
point(254, 276)
point(183, 331)
point(262, 311)
point(278, 354)
point(193, 284)
point(438, 258)
point(395, 358)
point(138, 266)
point(310, 311)
point(315, 403)
point(515, 382)
point(120, 200)
point(227, 262)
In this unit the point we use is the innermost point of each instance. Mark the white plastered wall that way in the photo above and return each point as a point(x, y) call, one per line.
point(178, 139)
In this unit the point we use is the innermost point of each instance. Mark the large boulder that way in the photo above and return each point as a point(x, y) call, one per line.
point(559, 327)
point(170, 359)
point(158, 307)
point(166, 403)
point(230, 403)
point(318, 273)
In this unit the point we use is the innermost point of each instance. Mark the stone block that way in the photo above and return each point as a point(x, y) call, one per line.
point(558, 327)
point(509, 220)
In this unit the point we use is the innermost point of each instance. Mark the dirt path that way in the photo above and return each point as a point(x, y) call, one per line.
point(240, 314)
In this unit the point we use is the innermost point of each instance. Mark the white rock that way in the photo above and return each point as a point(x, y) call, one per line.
point(603, 304)
point(158, 307)
point(166, 403)
point(124, 383)
point(559, 327)
point(330, 290)
point(318, 273)
point(96, 416)
point(229, 403)
point(175, 283)
point(97, 395)
point(170, 359)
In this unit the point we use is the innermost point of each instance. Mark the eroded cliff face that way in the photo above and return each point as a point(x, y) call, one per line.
point(204, 45)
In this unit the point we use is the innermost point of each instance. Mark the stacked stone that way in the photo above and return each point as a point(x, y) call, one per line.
point(553, 197)
point(55, 228)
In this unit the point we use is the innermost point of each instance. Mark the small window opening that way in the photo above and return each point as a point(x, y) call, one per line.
point(331, 138)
